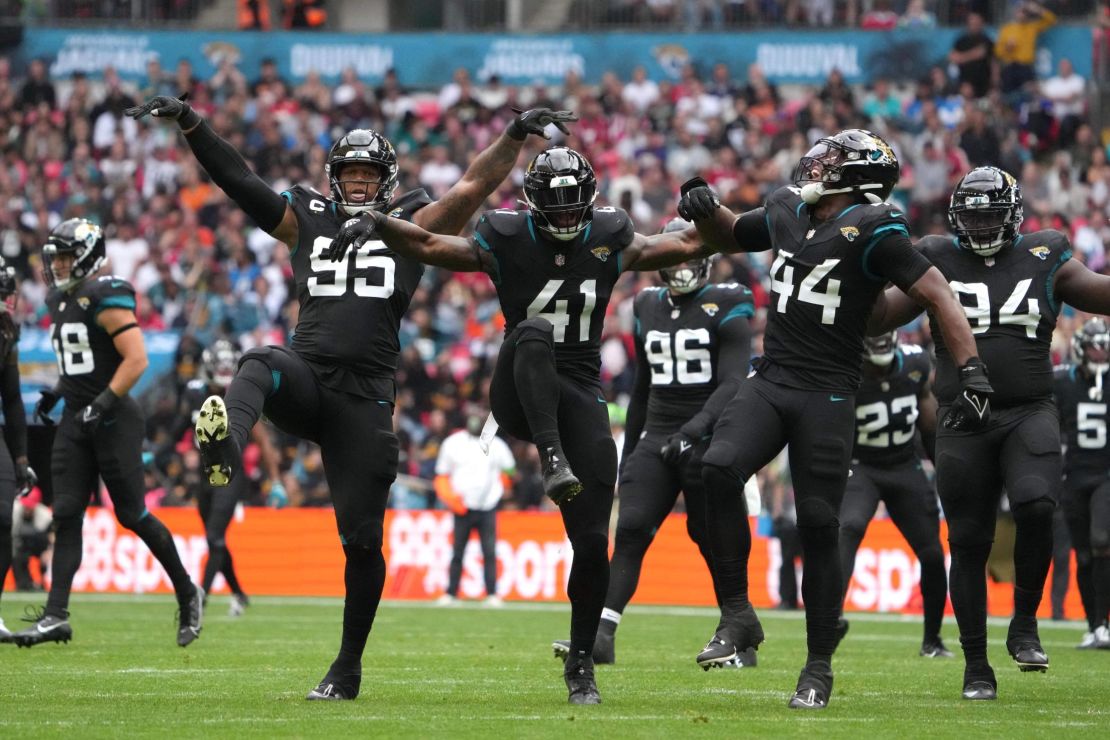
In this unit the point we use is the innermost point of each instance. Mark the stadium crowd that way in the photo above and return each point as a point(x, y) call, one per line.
point(200, 266)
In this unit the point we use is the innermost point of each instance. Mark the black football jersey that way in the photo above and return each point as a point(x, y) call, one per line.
point(568, 283)
point(886, 408)
point(1010, 305)
point(825, 279)
point(679, 338)
point(350, 311)
point(1083, 423)
point(87, 357)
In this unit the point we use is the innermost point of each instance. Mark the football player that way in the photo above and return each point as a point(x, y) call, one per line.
point(101, 355)
point(836, 243)
point(1081, 399)
point(335, 384)
point(1012, 286)
point(16, 475)
point(895, 397)
point(554, 264)
point(693, 340)
point(216, 504)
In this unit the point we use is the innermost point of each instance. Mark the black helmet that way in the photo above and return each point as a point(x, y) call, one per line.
point(8, 285)
point(880, 350)
point(559, 188)
point(365, 147)
point(985, 211)
point(219, 362)
point(1093, 335)
point(852, 161)
point(687, 276)
point(81, 238)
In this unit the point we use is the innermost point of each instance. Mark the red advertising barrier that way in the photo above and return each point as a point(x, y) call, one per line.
point(297, 552)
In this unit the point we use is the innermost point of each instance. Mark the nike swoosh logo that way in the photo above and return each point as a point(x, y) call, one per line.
point(683, 446)
point(837, 398)
point(600, 399)
point(49, 629)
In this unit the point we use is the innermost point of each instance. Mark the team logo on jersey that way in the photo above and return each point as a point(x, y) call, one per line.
point(83, 302)
point(1040, 252)
point(710, 308)
point(849, 232)
point(560, 259)
point(914, 375)
point(396, 212)
point(602, 253)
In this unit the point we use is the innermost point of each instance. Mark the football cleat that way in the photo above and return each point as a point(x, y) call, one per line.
point(559, 482)
point(814, 686)
point(743, 659)
point(337, 686)
point(934, 648)
point(5, 633)
point(190, 618)
point(603, 653)
point(1089, 642)
point(579, 677)
point(47, 628)
point(980, 684)
point(218, 454)
point(1102, 637)
point(734, 636)
point(238, 605)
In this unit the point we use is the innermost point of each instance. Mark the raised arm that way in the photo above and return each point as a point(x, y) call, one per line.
point(226, 167)
point(718, 227)
point(664, 250)
point(1077, 286)
point(409, 240)
point(893, 309)
point(932, 291)
point(450, 214)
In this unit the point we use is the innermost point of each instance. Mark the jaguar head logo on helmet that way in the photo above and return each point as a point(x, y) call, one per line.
point(73, 252)
point(362, 171)
point(985, 211)
point(688, 276)
point(559, 189)
point(851, 161)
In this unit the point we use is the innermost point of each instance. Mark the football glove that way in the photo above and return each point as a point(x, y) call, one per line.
point(353, 234)
point(972, 407)
point(698, 200)
point(48, 399)
point(536, 120)
point(89, 418)
point(677, 448)
point(25, 478)
point(163, 106)
point(277, 498)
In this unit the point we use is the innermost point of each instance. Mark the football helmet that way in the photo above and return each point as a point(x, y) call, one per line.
point(219, 362)
point(8, 285)
point(880, 350)
point(1090, 346)
point(985, 212)
point(559, 189)
point(688, 276)
point(852, 161)
point(365, 147)
point(80, 238)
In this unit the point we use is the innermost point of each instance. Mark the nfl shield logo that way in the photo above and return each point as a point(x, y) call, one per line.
point(560, 259)
point(810, 233)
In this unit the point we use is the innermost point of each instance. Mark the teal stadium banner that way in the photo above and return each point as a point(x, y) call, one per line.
point(430, 59)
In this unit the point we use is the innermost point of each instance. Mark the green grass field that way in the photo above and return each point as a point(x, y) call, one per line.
point(472, 672)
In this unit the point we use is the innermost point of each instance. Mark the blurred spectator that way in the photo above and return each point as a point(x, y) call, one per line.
point(1016, 48)
point(37, 88)
point(31, 521)
point(973, 55)
point(253, 15)
point(305, 14)
point(880, 17)
point(917, 16)
point(1066, 93)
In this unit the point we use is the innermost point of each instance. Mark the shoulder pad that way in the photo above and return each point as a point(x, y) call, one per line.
point(505, 221)
point(936, 242)
point(1043, 243)
point(107, 291)
point(306, 199)
point(615, 222)
point(787, 197)
point(409, 203)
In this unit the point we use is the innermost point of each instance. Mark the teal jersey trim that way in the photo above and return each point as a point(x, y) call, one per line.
point(1049, 287)
point(744, 310)
point(497, 263)
point(876, 237)
point(289, 199)
point(116, 301)
point(275, 376)
point(531, 226)
point(849, 208)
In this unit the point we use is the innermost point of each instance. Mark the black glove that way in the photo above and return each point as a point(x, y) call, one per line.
point(89, 418)
point(48, 399)
point(536, 120)
point(677, 447)
point(698, 200)
point(163, 106)
point(972, 408)
point(25, 478)
point(353, 234)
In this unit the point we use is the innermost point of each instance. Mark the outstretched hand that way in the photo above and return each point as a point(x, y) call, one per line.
point(698, 200)
point(161, 106)
point(536, 121)
point(352, 235)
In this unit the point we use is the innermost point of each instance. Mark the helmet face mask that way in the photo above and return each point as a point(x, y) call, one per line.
point(219, 363)
point(985, 211)
point(559, 189)
point(362, 146)
point(880, 350)
point(851, 161)
point(9, 288)
point(1090, 346)
point(73, 252)
point(686, 277)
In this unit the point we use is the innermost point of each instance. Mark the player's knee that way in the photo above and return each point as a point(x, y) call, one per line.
point(535, 330)
point(721, 481)
point(590, 547)
point(369, 537)
point(129, 519)
point(67, 507)
point(605, 461)
point(634, 536)
point(931, 554)
point(853, 526)
point(1037, 512)
point(816, 513)
point(215, 541)
point(1100, 541)
point(258, 367)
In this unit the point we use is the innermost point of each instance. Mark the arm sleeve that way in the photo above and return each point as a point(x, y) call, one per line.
point(891, 256)
point(230, 172)
point(734, 335)
point(637, 404)
point(15, 416)
point(752, 230)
